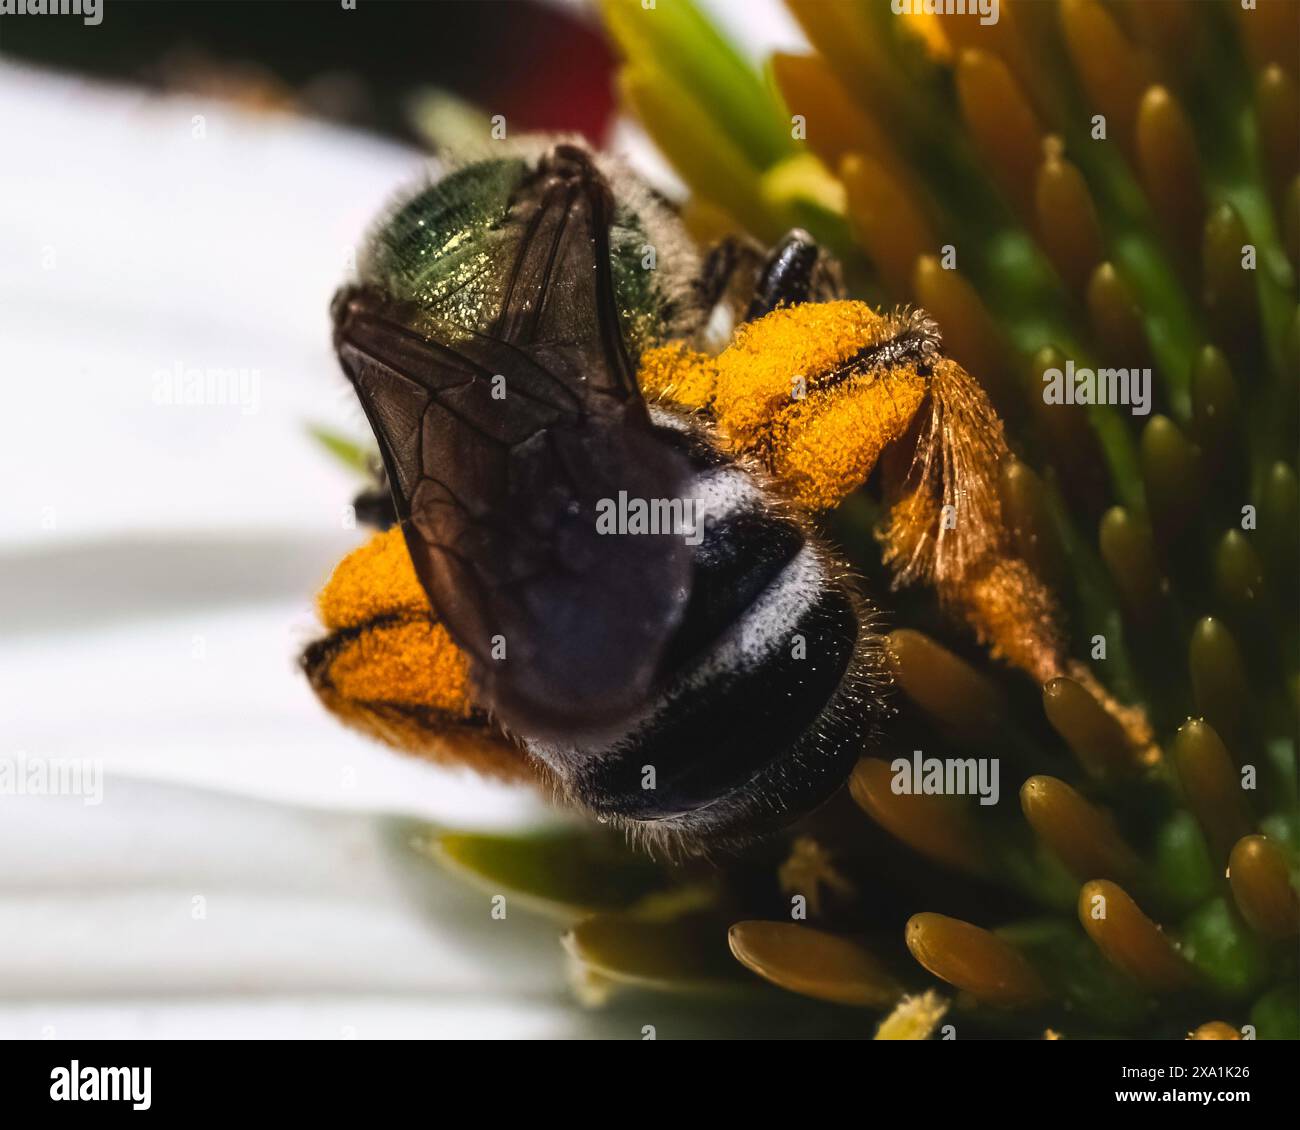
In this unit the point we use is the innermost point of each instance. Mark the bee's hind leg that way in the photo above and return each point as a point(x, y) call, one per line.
point(386, 666)
point(797, 270)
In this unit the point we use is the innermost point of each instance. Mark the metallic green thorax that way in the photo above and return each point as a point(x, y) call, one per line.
point(433, 251)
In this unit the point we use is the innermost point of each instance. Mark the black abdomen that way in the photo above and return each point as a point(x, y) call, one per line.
point(768, 692)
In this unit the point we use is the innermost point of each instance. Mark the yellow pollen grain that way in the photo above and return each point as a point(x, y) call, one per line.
point(770, 398)
point(414, 663)
point(909, 532)
point(1014, 613)
point(770, 395)
point(678, 374)
point(375, 580)
point(826, 446)
point(757, 373)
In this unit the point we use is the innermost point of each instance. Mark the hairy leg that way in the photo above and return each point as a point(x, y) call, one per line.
point(388, 668)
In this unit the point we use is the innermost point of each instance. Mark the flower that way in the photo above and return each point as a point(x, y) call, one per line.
point(1070, 190)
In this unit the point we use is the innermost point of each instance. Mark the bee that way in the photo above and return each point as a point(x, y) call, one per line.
point(698, 684)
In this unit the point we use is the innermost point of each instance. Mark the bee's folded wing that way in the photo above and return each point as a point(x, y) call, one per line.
point(503, 444)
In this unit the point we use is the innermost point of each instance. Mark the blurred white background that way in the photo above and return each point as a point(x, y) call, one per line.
point(246, 872)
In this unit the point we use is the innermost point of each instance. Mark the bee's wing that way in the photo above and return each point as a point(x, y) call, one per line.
point(500, 444)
